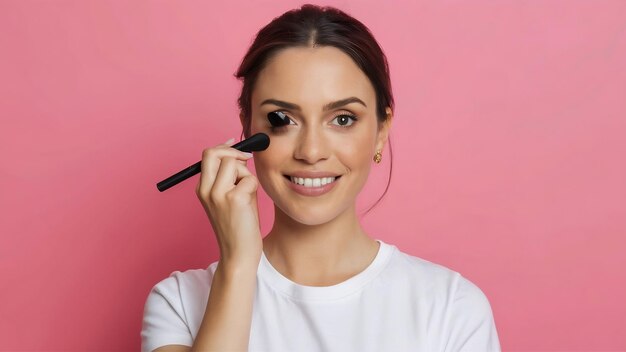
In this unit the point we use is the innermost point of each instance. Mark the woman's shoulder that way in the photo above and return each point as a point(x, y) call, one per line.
point(419, 267)
point(464, 308)
point(435, 277)
point(186, 282)
point(175, 306)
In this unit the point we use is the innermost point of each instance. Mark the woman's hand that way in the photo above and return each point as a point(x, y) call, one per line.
point(227, 191)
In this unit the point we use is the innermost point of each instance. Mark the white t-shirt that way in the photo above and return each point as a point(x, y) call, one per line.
point(398, 303)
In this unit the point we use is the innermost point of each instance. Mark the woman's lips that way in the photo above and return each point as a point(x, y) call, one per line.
point(311, 191)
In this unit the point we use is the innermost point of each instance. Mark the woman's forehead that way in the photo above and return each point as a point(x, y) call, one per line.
point(313, 75)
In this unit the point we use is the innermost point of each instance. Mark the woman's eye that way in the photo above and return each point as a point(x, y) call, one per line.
point(345, 120)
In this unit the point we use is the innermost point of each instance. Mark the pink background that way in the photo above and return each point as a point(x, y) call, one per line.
point(509, 143)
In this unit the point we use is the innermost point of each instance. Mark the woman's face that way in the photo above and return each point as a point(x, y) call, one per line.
point(317, 138)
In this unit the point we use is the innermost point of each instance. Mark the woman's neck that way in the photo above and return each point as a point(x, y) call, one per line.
point(319, 255)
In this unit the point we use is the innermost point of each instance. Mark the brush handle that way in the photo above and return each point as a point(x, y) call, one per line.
point(255, 143)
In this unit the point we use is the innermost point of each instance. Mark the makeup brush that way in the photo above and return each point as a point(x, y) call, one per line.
point(278, 118)
point(255, 143)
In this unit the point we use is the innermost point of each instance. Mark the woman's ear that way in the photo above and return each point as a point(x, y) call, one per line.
point(383, 132)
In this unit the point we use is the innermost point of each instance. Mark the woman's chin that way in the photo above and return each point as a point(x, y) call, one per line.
point(309, 216)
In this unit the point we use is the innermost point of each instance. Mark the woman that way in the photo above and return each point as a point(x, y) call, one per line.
point(317, 281)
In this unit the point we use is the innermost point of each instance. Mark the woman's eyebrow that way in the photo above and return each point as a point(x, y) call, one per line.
point(329, 106)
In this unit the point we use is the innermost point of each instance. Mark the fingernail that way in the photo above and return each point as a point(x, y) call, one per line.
point(229, 141)
point(247, 155)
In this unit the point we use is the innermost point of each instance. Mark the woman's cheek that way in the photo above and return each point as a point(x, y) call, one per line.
point(354, 148)
point(267, 165)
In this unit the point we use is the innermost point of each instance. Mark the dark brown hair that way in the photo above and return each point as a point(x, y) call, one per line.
point(311, 26)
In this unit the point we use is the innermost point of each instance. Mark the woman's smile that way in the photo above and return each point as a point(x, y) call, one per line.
point(311, 183)
point(312, 187)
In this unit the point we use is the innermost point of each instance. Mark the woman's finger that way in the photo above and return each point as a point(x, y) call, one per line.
point(228, 175)
point(211, 159)
point(248, 184)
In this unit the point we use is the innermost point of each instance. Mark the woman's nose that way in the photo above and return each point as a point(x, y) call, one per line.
point(311, 145)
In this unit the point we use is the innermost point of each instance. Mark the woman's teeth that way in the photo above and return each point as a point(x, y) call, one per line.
point(312, 182)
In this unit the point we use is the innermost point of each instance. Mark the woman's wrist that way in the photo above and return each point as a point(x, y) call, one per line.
point(237, 268)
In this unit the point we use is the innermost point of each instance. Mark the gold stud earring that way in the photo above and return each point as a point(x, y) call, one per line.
point(378, 157)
